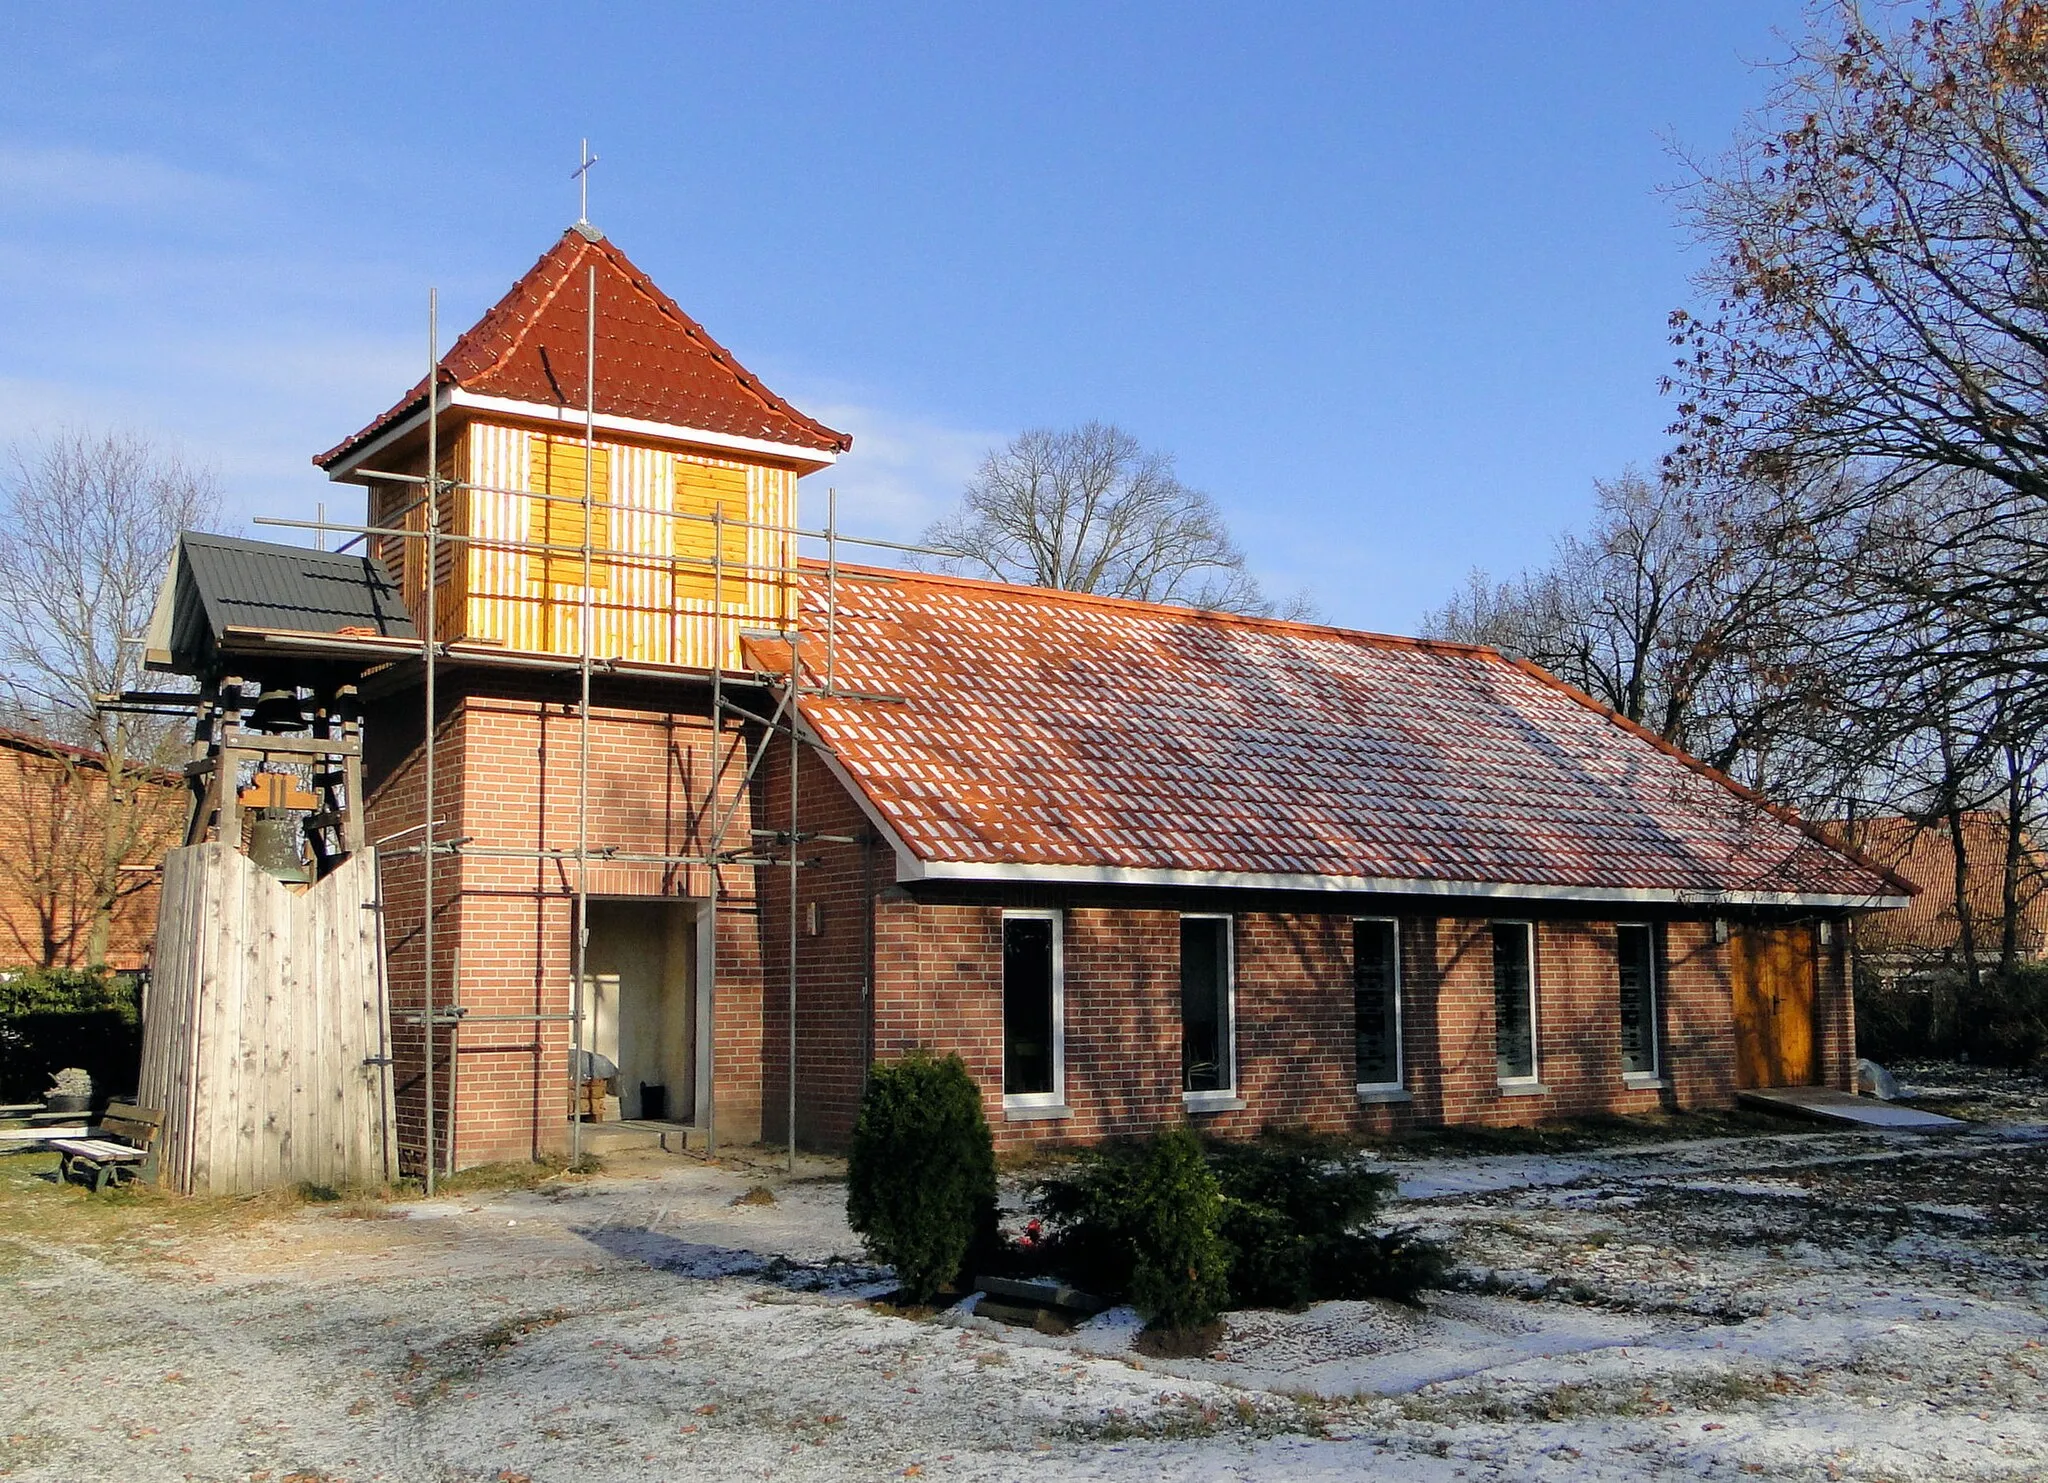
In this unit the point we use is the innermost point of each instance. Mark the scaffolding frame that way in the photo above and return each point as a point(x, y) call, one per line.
point(787, 851)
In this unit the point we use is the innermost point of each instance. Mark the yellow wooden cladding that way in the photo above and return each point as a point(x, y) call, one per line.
point(652, 588)
point(704, 492)
point(400, 506)
point(557, 475)
point(453, 508)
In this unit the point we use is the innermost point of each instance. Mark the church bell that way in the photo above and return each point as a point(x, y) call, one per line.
point(277, 844)
point(278, 710)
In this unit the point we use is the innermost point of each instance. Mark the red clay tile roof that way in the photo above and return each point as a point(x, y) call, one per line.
point(1046, 729)
point(1925, 855)
point(654, 362)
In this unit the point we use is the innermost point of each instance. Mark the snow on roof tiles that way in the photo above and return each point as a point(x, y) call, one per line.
point(1041, 728)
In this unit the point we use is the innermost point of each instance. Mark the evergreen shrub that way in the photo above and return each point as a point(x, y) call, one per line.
point(1294, 1215)
point(921, 1181)
point(1292, 1218)
point(1179, 1266)
point(51, 1018)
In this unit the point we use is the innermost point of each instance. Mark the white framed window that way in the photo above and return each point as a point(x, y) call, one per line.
point(1514, 1002)
point(1034, 1010)
point(1635, 961)
point(1208, 1009)
point(1376, 1003)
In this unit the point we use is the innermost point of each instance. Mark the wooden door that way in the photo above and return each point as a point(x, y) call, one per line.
point(1772, 974)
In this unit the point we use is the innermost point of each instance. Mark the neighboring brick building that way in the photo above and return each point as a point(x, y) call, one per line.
point(1136, 864)
point(1928, 933)
point(55, 817)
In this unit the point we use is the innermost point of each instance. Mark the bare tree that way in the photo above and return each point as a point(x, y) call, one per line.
point(1676, 617)
point(1881, 245)
point(90, 520)
point(1089, 509)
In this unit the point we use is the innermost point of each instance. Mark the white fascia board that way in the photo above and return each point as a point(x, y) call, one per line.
point(640, 427)
point(570, 417)
point(1112, 875)
point(348, 465)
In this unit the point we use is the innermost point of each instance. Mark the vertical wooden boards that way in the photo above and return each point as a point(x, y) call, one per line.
point(652, 595)
point(168, 1027)
point(267, 1042)
point(1772, 977)
point(1794, 969)
point(1751, 1008)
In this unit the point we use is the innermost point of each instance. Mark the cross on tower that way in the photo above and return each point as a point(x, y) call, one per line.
point(581, 175)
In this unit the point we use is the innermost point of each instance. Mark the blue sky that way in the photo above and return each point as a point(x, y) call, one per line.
point(1390, 280)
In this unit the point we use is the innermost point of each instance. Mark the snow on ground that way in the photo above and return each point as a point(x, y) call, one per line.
point(1812, 1305)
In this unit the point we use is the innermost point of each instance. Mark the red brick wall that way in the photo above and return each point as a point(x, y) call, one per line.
point(507, 779)
point(833, 884)
point(1834, 1014)
point(939, 984)
point(54, 827)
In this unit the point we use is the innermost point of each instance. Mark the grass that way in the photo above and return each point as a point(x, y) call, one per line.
point(1181, 1418)
point(1580, 1134)
point(1573, 1401)
point(132, 1221)
point(36, 1208)
point(521, 1175)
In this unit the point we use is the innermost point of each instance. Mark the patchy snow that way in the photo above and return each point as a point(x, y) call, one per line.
point(1827, 1306)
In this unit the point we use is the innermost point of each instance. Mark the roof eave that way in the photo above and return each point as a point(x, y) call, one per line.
point(912, 868)
point(344, 464)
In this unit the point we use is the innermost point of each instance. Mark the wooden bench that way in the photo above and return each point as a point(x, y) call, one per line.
point(121, 1147)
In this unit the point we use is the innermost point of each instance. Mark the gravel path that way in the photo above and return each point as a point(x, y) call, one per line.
point(1810, 1305)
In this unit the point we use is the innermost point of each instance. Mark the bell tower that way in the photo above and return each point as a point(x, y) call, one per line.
point(601, 456)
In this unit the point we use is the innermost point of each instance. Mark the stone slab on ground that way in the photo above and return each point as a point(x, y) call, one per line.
point(1828, 1105)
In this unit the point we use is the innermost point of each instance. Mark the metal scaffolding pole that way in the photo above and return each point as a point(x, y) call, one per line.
point(582, 939)
point(427, 658)
point(708, 1026)
point(795, 744)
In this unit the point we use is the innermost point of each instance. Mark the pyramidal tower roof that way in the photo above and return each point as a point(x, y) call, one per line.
point(655, 364)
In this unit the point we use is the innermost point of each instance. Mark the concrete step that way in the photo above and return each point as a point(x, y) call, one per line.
point(640, 1133)
point(1825, 1104)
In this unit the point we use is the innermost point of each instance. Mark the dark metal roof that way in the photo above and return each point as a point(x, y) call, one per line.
point(220, 582)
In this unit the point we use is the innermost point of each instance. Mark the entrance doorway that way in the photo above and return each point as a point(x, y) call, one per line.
point(1772, 971)
point(640, 1003)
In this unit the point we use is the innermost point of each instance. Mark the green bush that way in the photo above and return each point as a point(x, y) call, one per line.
point(1178, 1269)
point(67, 991)
point(56, 1017)
point(921, 1182)
point(1935, 1012)
point(1292, 1213)
point(1292, 1218)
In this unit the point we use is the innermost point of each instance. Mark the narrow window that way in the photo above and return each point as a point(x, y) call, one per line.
point(1514, 1000)
point(1033, 1034)
point(1635, 955)
point(1205, 1028)
point(1376, 997)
